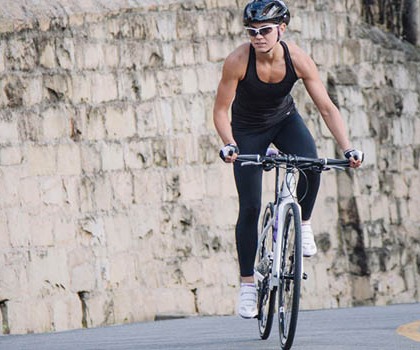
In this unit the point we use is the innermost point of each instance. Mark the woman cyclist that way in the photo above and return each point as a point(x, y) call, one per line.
point(258, 77)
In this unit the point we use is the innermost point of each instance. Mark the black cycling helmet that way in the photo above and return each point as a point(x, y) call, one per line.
point(274, 11)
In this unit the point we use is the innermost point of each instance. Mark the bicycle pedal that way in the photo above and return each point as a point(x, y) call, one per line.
point(304, 276)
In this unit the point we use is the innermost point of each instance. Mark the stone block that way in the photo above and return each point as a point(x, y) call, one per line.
point(148, 119)
point(191, 183)
point(222, 182)
point(226, 296)
point(410, 104)
point(184, 150)
point(402, 78)
point(184, 54)
point(47, 57)
point(168, 83)
point(186, 25)
point(208, 78)
point(51, 191)
point(41, 160)
point(166, 26)
point(199, 114)
point(222, 209)
point(174, 301)
point(120, 122)
point(92, 124)
point(122, 189)
point(10, 156)
point(102, 196)
point(65, 52)
point(99, 93)
point(56, 87)
point(68, 159)
point(112, 156)
point(85, 193)
point(60, 311)
point(93, 229)
point(351, 52)
point(168, 55)
point(21, 54)
point(64, 231)
point(192, 271)
point(90, 158)
point(144, 224)
point(403, 132)
point(362, 291)
point(223, 261)
point(122, 264)
point(41, 229)
point(9, 131)
point(27, 316)
point(48, 271)
point(118, 234)
point(311, 26)
point(83, 277)
point(89, 56)
point(325, 53)
point(163, 114)
point(189, 81)
point(138, 155)
point(56, 123)
point(9, 181)
point(128, 86)
point(99, 309)
point(13, 283)
point(81, 88)
point(111, 56)
point(32, 92)
point(148, 186)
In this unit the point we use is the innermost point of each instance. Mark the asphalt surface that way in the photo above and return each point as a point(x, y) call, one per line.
point(360, 328)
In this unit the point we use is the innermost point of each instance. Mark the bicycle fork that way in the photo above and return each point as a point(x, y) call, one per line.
point(287, 195)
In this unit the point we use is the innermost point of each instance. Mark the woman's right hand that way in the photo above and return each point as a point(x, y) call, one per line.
point(229, 152)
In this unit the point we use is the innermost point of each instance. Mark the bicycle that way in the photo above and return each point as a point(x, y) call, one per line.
point(279, 260)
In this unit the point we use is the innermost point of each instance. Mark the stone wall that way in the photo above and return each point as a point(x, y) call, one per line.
point(114, 205)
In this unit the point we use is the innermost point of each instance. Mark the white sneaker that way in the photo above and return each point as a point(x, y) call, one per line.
point(308, 241)
point(248, 301)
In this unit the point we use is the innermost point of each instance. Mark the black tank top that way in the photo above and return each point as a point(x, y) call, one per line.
point(259, 105)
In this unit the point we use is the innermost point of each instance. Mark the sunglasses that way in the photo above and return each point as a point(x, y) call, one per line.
point(262, 30)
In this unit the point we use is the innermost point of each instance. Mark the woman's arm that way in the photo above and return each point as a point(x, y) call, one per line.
point(232, 72)
point(307, 70)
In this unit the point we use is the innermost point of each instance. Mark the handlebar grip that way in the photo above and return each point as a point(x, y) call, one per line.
point(337, 162)
point(249, 158)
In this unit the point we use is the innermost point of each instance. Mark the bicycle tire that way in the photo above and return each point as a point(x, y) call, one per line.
point(266, 297)
point(291, 277)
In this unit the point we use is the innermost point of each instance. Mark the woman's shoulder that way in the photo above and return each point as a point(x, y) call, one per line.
point(301, 60)
point(237, 60)
point(294, 49)
point(240, 55)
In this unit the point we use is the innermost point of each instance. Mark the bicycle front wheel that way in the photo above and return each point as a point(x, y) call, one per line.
point(290, 277)
point(266, 296)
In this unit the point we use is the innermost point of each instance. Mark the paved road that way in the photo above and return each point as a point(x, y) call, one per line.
point(362, 328)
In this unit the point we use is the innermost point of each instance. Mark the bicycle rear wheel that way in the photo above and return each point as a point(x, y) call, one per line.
point(291, 276)
point(266, 297)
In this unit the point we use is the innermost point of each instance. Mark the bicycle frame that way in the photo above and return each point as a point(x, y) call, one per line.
point(285, 192)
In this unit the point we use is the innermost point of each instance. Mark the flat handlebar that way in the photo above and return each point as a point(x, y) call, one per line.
point(292, 160)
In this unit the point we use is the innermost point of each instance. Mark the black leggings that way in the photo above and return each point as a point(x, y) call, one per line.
point(290, 136)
